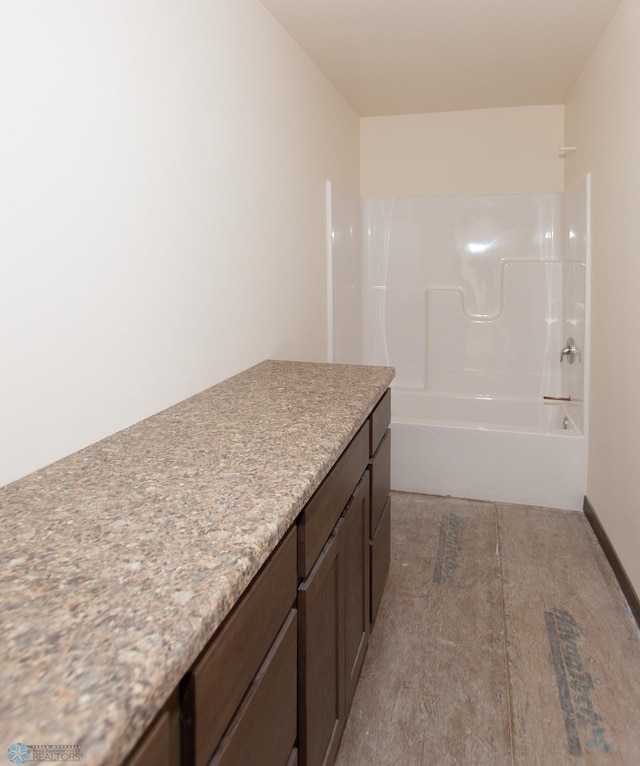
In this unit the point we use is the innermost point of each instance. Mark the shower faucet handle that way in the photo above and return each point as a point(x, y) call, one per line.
point(570, 351)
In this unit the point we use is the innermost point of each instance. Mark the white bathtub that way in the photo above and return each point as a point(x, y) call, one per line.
point(504, 450)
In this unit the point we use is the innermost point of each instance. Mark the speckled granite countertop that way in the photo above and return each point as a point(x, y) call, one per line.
point(120, 561)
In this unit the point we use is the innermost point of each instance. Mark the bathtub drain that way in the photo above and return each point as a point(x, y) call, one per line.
point(565, 423)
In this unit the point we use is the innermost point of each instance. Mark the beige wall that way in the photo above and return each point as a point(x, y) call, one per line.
point(163, 209)
point(485, 151)
point(603, 120)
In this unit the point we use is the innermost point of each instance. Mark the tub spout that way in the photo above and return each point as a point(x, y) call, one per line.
point(569, 351)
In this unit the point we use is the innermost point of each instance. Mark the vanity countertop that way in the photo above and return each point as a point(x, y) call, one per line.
point(121, 560)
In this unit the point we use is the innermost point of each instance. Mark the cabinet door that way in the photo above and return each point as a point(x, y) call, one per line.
point(380, 546)
point(321, 667)
point(355, 552)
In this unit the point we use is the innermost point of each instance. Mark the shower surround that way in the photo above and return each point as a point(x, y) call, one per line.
point(472, 299)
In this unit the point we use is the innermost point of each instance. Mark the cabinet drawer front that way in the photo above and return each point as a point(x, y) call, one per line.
point(379, 421)
point(380, 550)
point(160, 745)
point(218, 681)
point(380, 480)
point(264, 729)
point(325, 507)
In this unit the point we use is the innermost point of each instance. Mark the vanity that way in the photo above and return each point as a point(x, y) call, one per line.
point(200, 588)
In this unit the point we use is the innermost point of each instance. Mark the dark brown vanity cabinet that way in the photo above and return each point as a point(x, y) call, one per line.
point(275, 683)
point(333, 602)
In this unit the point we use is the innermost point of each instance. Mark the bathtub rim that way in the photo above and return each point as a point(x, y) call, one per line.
point(566, 405)
point(470, 425)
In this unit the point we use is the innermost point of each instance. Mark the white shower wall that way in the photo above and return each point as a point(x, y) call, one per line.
point(576, 253)
point(464, 294)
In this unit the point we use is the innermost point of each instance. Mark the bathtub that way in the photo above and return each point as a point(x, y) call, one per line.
point(505, 450)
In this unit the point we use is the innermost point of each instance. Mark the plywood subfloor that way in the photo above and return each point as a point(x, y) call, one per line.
point(502, 640)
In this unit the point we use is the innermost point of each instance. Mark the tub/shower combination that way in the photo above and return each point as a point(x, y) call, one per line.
point(472, 301)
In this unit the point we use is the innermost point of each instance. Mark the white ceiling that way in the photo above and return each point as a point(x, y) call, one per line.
point(412, 56)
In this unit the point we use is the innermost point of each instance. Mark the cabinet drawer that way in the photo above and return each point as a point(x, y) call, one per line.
point(265, 727)
point(215, 686)
point(379, 421)
point(325, 508)
point(160, 746)
point(380, 550)
point(380, 480)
